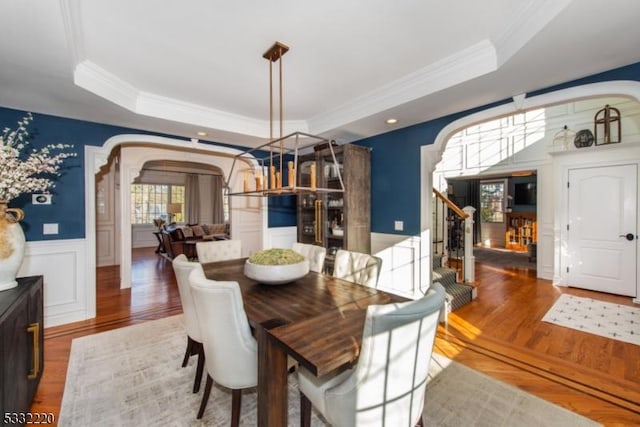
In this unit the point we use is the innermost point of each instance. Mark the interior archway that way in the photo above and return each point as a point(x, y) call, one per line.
point(97, 157)
point(431, 154)
point(207, 207)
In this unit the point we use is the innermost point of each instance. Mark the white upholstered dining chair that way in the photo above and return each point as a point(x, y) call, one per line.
point(218, 250)
point(182, 267)
point(387, 387)
point(230, 349)
point(357, 267)
point(314, 253)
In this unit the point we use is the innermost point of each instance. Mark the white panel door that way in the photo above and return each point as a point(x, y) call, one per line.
point(602, 229)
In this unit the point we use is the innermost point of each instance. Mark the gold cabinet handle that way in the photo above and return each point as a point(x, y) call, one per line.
point(320, 222)
point(317, 221)
point(318, 229)
point(34, 329)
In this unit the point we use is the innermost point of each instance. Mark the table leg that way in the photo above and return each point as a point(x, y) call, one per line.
point(160, 248)
point(272, 381)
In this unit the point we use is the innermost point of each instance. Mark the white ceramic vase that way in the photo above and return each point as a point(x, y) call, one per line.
point(12, 244)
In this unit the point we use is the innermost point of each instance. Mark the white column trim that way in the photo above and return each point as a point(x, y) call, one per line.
point(95, 158)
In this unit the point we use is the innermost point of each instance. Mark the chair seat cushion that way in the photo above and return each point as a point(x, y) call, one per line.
point(315, 388)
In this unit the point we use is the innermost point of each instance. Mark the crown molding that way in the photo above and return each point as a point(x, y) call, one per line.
point(70, 13)
point(524, 25)
point(150, 104)
point(467, 64)
point(99, 81)
point(477, 60)
point(104, 84)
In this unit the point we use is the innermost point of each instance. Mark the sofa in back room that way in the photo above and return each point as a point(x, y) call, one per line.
point(178, 240)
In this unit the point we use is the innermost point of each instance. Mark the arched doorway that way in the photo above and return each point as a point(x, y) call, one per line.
point(249, 216)
point(550, 222)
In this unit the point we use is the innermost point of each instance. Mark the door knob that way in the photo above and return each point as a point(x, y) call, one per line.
point(628, 236)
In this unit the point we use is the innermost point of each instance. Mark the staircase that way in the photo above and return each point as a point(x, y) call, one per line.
point(452, 234)
point(458, 294)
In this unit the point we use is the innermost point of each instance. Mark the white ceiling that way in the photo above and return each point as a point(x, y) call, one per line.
point(180, 67)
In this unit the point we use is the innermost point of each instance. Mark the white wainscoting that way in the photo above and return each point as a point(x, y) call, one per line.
point(66, 298)
point(142, 236)
point(105, 245)
point(62, 263)
point(281, 237)
point(400, 263)
point(247, 222)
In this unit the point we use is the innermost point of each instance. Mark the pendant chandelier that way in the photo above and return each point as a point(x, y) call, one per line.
point(272, 169)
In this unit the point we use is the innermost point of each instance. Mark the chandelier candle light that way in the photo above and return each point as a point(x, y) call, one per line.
point(268, 170)
point(21, 173)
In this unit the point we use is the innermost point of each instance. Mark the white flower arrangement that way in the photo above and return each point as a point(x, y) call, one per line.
point(26, 173)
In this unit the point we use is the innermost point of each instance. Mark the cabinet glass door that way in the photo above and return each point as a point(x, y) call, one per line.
point(309, 215)
point(334, 210)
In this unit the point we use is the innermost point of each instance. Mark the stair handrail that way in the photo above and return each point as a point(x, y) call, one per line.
point(450, 204)
point(466, 269)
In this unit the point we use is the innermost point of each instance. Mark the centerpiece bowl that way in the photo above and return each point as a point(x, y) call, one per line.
point(276, 266)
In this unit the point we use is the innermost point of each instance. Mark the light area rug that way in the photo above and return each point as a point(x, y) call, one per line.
point(620, 322)
point(132, 376)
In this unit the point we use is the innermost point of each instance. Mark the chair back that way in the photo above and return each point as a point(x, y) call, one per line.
point(182, 268)
point(388, 385)
point(314, 253)
point(218, 250)
point(357, 267)
point(231, 352)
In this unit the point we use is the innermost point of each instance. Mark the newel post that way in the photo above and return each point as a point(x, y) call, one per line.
point(469, 259)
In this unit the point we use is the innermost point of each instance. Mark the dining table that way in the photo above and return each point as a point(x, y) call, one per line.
point(317, 320)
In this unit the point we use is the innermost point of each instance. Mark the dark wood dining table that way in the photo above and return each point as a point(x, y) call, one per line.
point(318, 320)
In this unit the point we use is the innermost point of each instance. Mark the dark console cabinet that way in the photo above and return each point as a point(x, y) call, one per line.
point(21, 344)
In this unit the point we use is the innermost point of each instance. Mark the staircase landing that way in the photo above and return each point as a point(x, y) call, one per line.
point(458, 294)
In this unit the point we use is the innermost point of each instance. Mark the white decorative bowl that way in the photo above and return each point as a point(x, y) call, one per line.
point(276, 274)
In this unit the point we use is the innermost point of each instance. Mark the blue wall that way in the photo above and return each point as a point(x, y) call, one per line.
point(395, 160)
point(67, 209)
point(395, 168)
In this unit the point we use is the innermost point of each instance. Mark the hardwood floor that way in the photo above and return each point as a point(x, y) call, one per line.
point(499, 334)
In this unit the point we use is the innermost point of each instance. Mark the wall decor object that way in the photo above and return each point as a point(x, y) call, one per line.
point(607, 126)
point(12, 245)
point(562, 138)
point(584, 138)
point(23, 170)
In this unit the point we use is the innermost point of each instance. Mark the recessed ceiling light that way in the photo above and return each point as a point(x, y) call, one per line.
point(201, 133)
point(391, 121)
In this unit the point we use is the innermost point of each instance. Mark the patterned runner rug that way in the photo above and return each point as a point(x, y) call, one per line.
point(503, 258)
point(620, 322)
point(132, 376)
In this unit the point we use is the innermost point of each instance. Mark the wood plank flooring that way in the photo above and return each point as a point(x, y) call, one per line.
point(499, 334)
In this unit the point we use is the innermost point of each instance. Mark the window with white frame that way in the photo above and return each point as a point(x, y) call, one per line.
point(492, 195)
point(150, 201)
